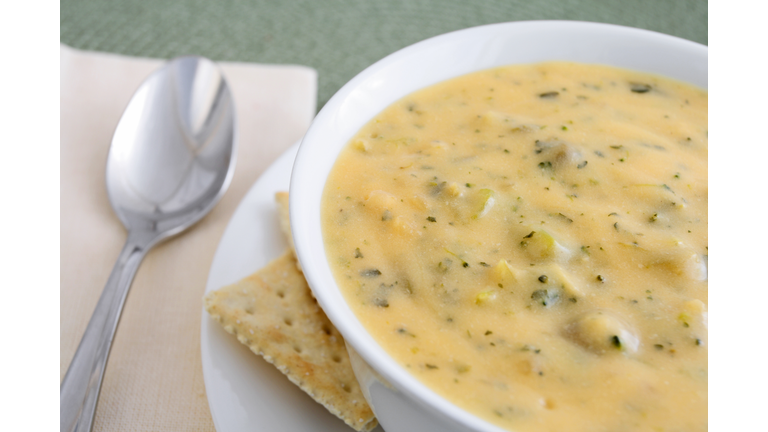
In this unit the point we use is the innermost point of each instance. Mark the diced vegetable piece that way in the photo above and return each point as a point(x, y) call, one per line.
point(495, 118)
point(694, 314)
point(541, 245)
point(546, 297)
point(363, 145)
point(694, 267)
point(486, 198)
point(556, 276)
point(601, 332)
point(402, 227)
point(505, 274)
point(379, 201)
point(452, 190)
point(485, 297)
point(681, 260)
point(416, 202)
point(566, 154)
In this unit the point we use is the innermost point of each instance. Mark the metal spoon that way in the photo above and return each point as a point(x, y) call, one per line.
point(171, 159)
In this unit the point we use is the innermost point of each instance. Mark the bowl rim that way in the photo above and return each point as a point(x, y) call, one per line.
point(306, 179)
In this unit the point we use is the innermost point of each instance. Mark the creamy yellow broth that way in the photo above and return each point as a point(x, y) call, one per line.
point(531, 243)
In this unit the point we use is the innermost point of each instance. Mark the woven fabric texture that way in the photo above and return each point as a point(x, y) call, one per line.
point(339, 38)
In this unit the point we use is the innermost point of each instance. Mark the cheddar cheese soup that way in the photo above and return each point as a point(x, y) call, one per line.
point(531, 243)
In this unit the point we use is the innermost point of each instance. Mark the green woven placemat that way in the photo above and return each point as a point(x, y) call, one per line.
point(338, 38)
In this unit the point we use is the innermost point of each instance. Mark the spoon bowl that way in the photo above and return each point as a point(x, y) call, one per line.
point(172, 157)
point(172, 152)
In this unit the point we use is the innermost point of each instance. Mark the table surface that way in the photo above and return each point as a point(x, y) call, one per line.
point(338, 38)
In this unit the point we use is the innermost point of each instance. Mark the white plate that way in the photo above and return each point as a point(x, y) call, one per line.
point(245, 393)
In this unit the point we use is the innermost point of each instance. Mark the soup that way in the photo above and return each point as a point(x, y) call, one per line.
point(531, 243)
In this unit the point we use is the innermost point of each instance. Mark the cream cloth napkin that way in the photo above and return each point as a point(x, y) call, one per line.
point(154, 379)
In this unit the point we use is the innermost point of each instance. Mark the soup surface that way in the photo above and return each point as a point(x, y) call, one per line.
point(531, 243)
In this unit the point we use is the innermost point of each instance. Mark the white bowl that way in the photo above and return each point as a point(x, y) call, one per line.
point(400, 401)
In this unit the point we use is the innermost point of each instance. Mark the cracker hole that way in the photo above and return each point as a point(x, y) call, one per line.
point(281, 294)
point(288, 321)
point(326, 329)
point(249, 311)
point(297, 349)
point(336, 358)
point(346, 388)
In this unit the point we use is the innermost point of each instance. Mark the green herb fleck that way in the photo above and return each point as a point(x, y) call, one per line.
point(431, 219)
point(370, 273)
point(616, 342)
point(380, 302)
point(527, 348)
point(546, 297)
point(639, 87)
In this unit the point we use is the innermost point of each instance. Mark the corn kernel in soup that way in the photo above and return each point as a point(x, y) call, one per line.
point(531, 243)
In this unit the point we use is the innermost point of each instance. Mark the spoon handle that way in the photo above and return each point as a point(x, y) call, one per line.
point(80, 388)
